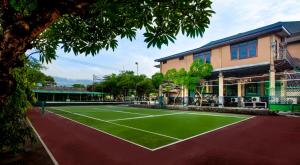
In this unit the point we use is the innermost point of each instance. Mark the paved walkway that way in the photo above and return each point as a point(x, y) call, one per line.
point(261, 140)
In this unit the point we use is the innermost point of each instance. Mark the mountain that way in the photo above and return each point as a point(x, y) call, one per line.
point(69, 82)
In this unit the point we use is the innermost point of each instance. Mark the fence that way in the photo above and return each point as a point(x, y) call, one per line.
point(249, 92)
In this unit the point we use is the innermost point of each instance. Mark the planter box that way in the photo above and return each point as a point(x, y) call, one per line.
point(285, 107)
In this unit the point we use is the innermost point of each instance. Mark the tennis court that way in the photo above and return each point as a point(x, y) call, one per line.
point(148, 128)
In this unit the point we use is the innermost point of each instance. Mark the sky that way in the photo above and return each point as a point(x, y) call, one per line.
point(231, 17)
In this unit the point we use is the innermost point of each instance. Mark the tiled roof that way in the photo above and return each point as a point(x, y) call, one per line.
point(291, 28)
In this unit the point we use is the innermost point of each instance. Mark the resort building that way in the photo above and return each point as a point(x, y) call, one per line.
point(257, 68)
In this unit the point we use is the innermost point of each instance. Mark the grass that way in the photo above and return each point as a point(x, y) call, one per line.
point(148, 128)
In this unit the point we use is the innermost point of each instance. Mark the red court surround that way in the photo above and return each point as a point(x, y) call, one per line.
point(261, 140)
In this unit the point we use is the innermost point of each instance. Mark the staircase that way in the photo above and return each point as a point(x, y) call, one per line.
point(284, 60)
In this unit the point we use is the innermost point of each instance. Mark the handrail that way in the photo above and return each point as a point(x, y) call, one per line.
point(284, 54)
point(290, 59)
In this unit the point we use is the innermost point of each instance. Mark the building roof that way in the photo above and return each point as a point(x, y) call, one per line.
point(287, 29)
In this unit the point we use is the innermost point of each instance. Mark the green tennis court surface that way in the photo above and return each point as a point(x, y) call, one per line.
point(148, 128)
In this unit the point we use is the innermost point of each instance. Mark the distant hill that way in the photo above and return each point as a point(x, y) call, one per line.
point(69, 82)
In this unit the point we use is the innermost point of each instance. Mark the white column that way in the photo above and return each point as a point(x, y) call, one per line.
point(210, 87)
point(240, 92)
point(272, 85)
point(272, 70)
point(160, 90)
point(186, 96)
point(239, 88)
point(221, 90)
point(182, 94)
point(207, 87)
point(160, 97)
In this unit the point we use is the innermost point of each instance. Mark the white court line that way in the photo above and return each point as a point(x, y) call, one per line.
point(121, 125)
point(201, 134)
point(172, 111)
point(106, 110)
point(123, 111)
point(142, 117)
point(101, 131)
point(186, 112)
point(163, 146)
point(43, 143)
point(219, 115)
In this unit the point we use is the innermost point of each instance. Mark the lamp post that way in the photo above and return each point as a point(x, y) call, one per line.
point(137, 68)
point(137, 73)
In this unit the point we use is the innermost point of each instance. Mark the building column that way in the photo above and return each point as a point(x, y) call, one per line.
point(53, 97)
point(160, 97)
point(221, 90)
point(186, 96)
point(240, 92)
point(239, 88)
point(207, 90)
point(182, 95)
point(272, 85)
point(160, 90)
point(262, 89)
point(210, 87)
point(272, 70)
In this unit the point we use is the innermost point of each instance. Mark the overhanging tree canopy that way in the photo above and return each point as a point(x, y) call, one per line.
point(87, 26)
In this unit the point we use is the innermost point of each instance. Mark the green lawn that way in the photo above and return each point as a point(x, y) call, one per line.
point(148, 128)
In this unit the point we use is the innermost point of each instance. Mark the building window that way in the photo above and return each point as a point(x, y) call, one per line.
point(164, 62)
point(252, 89)
point(204, 56)
point(181, 58)
point(234, 52)
point(244, 50)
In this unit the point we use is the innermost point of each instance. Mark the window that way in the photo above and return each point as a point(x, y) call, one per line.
point(164, 62)
point(234, 53)
point(207, 58)
point(204, 56)
point(251, 89)
point(181, 58)
point(252, 48)
point(243, 50)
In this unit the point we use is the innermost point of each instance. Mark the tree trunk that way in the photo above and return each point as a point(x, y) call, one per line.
point(15, 40)
point(199, 100)
point(19, 32)
point(200, 93)
point(7, 82)
point(176, 97)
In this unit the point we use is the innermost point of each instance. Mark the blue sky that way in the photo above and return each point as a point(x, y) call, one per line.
point(232, 16)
